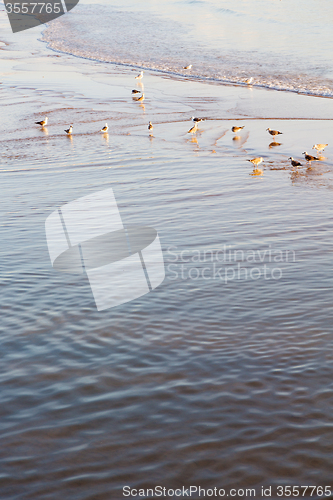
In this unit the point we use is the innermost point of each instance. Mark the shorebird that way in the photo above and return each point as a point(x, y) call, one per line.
point(140, 75)
point(249, 80)
point(237, 129)
point(141, 98)
point(69, 130)
point(43, 122)
point(150, 126)
point(189, 66)
point(105, 129)
point(197, 120)
point(320, 147)
point(273, 132)
point(310, 158)
point(256, 161)
point(193, 129)
point(134, 91)
point(295, 163)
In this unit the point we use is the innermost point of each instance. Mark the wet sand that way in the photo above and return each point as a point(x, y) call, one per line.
point(203, 381)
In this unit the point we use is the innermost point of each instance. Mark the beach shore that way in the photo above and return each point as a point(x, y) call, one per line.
point(69, 89)
point(205, 380)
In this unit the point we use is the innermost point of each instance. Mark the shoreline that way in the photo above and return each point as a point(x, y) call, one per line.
point(90, 93)
point(257, 102)
point(217, 64)
point(219, 376)
point(183, 77)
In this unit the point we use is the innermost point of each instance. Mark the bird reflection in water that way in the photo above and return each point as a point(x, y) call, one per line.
point(273, 144)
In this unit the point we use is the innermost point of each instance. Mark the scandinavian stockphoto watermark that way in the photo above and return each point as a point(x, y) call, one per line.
point(227, 264)
point(276, 491)
point(24, 14)
point(87, 236)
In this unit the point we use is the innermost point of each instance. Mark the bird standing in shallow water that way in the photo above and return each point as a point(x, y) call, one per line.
point(193, 129)
point(295, 163)
point(274, 133)
point(140, 99)
point(69, 130)
point(310, 158)
point(140, 75)
point(150, 126)
point(237, 129)
point(320, 147)
point(189, 66)
point(105, 128)
point(43, 122)
point(134, 91)
point(256, 161)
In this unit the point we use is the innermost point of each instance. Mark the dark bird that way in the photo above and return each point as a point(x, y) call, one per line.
point(69, 130)
point(310, 158)
point(134, 91)
point(237, 129)
point(197, 120)
point(43, 122)
point(105, 128)
point(295, 163)
point(273, 132)
point(150, 126)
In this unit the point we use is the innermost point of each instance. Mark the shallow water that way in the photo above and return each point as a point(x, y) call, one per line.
point(281, 44)
point(222, 376)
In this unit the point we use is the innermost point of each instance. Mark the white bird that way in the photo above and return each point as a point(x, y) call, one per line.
point(249, 80)
point(150, 126)
point(140, 75)
point(43, 122)
point(141, 98)
point(193, 129)
point(189, 66)
point(237, 129)
point(256, 161)
point(69, 130)
point(105, 128)
point(320, 147)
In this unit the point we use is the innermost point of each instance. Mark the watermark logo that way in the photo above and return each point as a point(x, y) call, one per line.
point(227, 264)
point(24, 15)
point(87, 235)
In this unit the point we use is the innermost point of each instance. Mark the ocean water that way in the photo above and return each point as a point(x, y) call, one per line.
point(282, 44)
point(222, 376)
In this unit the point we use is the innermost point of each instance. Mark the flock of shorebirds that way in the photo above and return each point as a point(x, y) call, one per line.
point(274, 133)
point(255, 161)
point(294, 163)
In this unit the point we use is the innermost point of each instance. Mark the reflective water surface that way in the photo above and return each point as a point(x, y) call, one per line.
point(221, 376)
